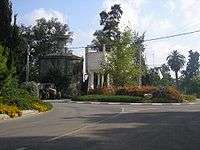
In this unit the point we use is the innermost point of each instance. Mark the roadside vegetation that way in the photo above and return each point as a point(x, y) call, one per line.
point(134, 94)
point(132, 80)
point(15, 94)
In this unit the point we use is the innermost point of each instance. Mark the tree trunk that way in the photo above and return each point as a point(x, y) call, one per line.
point(177, 82)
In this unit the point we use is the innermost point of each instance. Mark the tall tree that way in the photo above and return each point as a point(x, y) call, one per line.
point(176, 61)
point(3, 66)
point(110, 32)
point(120, 66)
point(192, 68)
point(46, 37)
point(5, 22)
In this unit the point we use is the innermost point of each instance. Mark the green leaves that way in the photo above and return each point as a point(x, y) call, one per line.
point(121, 65)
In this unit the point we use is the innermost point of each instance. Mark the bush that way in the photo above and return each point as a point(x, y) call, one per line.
point(105, 98)
point(11, 111)
point(106, 90)
point(41, 106)
point(189, 98)
point(135, 90)
point(19, 98)
point(173, 95)
point(32, 88)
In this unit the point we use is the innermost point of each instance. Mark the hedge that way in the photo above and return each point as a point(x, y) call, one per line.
point(106, 98)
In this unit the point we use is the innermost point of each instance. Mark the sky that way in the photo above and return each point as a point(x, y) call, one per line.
point(154, 17)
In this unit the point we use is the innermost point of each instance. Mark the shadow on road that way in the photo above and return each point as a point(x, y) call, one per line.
point(129, 131)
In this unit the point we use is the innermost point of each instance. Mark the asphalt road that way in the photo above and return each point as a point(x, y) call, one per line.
point(105, 127)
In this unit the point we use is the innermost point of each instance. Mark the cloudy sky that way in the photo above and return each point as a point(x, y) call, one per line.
point(154, 17)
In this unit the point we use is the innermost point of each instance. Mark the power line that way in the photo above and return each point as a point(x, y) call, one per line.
point(171, 36)
point(148, 40)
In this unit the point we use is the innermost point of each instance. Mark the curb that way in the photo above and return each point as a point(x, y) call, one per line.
point(133, 104)
point(58, 101)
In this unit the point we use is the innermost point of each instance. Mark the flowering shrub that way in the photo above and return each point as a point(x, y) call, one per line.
point(41, 106)
point(135, 90)
point(106, 90)
point(173, 95)
point(11, 111)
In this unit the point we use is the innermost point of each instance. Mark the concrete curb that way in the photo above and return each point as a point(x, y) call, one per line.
point(133, 104)
point(58, 101)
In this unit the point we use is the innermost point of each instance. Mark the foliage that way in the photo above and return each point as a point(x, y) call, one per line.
point(138, 41)
point(106, 90)
point(135, 90)
point(41, 106)
point(3, 66)
point(153, 76)
point(32, 88)
point(188, 83)
point(46, 37)
point(146, 93)
point(192, 68)
point(189, 98)
point(176, 61)
point(120, 65)
point(194, 86)
point(124, 90)
point(11, 111)
point(170, 94)
point(110, 32)
point(106, 98)
point(13, 95)
point(5, 22)
point(173, 94)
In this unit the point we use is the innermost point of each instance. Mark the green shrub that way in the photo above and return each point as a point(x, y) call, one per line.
point(32, 88)
point(104, 98)
point(189, 98)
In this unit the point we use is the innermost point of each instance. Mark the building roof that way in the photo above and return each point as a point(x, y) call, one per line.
point(61, 55)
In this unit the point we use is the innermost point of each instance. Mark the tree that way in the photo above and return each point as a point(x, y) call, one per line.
point(3, 66)
point(151, 77)
point(140, 48)
point(46, 37)
point(5, 22)
point(121, 66)
point(176, 61)
point(110, 32)
point(192, 70)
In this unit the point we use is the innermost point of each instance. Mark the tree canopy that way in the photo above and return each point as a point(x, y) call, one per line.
point(110, 28)
point(45, 37)
point(121, 66)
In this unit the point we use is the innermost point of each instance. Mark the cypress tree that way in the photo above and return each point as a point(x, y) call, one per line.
point(5, 22)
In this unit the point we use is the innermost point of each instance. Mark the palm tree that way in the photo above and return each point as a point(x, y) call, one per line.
point(176, 61)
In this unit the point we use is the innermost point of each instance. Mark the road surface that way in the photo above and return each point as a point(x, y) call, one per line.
point(105, 127)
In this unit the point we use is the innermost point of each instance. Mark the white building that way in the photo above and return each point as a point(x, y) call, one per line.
point(93, 65)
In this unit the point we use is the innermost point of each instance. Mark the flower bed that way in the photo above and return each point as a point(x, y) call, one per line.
point(11, 111)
